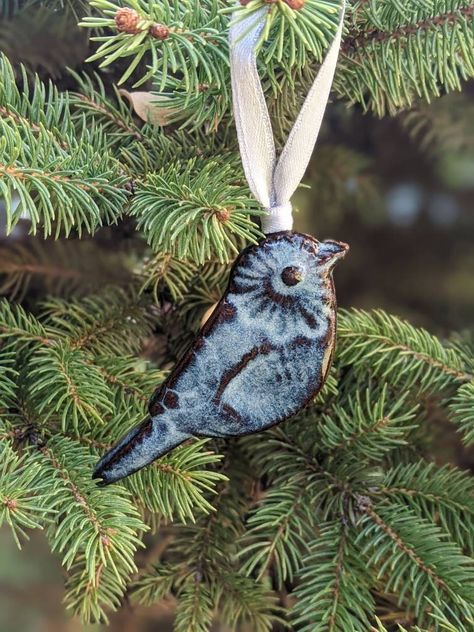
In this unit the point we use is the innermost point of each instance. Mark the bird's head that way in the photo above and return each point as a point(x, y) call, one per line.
point(287, 270)
point(291, 262)
point(329, 253)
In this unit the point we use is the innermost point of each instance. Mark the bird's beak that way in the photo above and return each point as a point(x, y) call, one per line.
point(331, 251)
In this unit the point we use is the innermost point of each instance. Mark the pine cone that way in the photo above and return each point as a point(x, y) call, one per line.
point(126, 21)
point(159, 31)
point(223, 215)
point(296, 5)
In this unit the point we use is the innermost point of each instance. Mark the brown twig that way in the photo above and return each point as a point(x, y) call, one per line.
point(355, 41)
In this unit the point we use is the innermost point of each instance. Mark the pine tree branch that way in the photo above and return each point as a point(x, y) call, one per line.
point(60, 176)
point(16, 324)
point(331, 507)
point(116, 319)
point(201, 557)
point(19, 120)
point(108, 114)
point(129, 389)
point(336, 591)
point(381, 65)
point(8, 376)
point(61, 383)
point(275, 534)
point(355, 40)
point(58, 191)
point(291, 37)
point(191, 37)
point(244, 602)
point(97, 533)
point(369, 426)
point(150, 588)
point(392, 348)
point(407, 550)
point(333, 592)
point(293, 452)
point(20, 509)
point(180, 485)
point(195, 608)
point(462, 411)
point(36, 108)
point(77, 495)
point(416, 559)
point(26, 174)
point(164, 270)
point(443, 495)
point(63, 268)
point(182, 213)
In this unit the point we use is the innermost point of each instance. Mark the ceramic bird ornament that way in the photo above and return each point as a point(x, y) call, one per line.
point(262, 355)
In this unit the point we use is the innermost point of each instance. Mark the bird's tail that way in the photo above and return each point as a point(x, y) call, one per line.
point(143, 444)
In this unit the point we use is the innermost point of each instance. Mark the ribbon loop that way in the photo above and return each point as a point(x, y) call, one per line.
point(273, 182)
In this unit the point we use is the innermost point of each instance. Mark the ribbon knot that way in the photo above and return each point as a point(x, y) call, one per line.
point(273, 181)
point(280, 217)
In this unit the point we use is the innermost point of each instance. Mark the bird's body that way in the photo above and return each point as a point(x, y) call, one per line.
point(262, 355)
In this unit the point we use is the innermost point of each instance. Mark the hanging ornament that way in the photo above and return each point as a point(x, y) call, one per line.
point(266, 349)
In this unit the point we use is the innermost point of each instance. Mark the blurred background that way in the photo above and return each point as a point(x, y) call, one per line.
point(400, 191)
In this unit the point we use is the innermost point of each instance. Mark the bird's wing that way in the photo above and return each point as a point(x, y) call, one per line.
point(165, 395)
point(262, 388)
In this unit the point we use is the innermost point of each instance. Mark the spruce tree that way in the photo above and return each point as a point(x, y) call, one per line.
point(130, 185)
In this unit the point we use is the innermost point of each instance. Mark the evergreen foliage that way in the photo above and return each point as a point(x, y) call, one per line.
point(316, 524)
point(429, 43)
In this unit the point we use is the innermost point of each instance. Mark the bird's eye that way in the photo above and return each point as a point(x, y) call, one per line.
point(292, 275)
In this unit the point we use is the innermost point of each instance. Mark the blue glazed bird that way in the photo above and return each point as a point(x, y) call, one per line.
point(262, 355)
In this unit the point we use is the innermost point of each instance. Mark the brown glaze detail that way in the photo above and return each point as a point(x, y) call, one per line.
point(231, 412)
point(292, 275)
point(241, 259)
point(241, 289)
point(155, 407)
point(226, 313)
point(330, 336)
point(182, 364)
point(309, 318)
point(284, 301)
point(171, 400)
point(235, 370)
point(144, 430)
point(223, 312)
point(199, 343)
point(310, 244)
point(301, 341)
point(235, 288)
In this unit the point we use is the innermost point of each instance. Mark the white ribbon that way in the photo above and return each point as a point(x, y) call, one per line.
point(273, 182)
